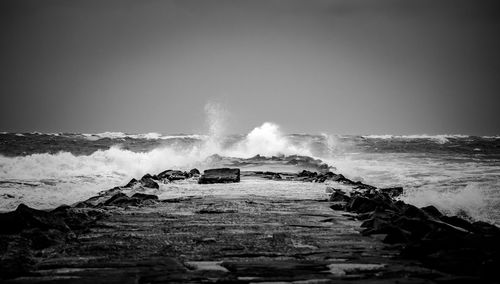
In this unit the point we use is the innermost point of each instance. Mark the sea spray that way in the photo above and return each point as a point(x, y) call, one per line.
point(453, 176)
point(216, 118)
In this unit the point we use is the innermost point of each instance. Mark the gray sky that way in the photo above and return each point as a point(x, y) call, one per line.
point(346, 67)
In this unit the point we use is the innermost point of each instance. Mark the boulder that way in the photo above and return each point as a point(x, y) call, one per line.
point(24, 218)
point(132, 183)
point(338, 195)
point(117, 199)
point(194, 172)
point(143, 197)
point(221, 175)
point(458, 222)
point(148, 181)
point(306, 173)
point(360, 204)
point(486, 229)
point(172, 175)
point(338, 205)
point(432, 211)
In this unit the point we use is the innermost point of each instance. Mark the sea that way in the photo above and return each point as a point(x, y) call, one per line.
point(459, 174)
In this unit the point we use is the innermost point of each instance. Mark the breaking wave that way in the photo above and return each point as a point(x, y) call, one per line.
point(440, 139)
point(456, 177)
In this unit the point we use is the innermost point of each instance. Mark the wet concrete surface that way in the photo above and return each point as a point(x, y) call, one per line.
point(209, 239)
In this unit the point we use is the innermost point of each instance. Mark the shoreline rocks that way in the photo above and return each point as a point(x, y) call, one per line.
point(448, 243)
point(221, 175)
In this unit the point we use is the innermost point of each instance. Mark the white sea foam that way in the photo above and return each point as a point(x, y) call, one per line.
point(428, 180)
point(473, 200)
point(440, 139)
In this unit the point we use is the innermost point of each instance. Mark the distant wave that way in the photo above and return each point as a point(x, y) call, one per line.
point(441, 138)
point(148, 136)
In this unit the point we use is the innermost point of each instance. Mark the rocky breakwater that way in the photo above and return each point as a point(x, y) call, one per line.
point(469, 250)
point(125, 234)
point(222, 175)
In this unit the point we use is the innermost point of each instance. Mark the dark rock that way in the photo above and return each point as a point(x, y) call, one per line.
point(416, 226)
point(276, 177)
point(335, 177)
point(306, 173)
point(392, 191)
point(432, 211)
point(25, 217)
point(132, 183)
point(396, 235)
point(411, 211)
point(458, 222)
point(360, 185)
point(119, 199)
point(194, 172)
point(338, 205)
point(172, 175)
point(142, 196)
point(148, 181)
point(485, 228)
point(222, 175)
point(361, 204)
point(338, 195)
point(114, 197)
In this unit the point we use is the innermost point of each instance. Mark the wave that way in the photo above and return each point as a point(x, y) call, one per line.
point(266, 140)
point(440, 139)
point(473, 201)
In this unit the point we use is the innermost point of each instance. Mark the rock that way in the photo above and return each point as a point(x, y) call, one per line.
point(416, 226)
point(361, 204)
point(306, 173)
point(148, 181)
point(221, 175)
point(132, 183)
point(360, 185)
point(122, 200)
point(485, 228)
point(338, 205)
point(117, 199)
point(457, 222)
point(411, 211)
point(172, 175)
point(194, 172)
point(396, 236)
point(392, 191)
point(276, 177)
point(25, 217)
point(338, 195)
point(142, 196)
point(432, 211)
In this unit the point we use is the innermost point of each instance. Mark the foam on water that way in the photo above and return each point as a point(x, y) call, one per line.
point(466, 181)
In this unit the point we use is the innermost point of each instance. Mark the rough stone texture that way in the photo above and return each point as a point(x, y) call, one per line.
point(248, 240)
point(222, 175)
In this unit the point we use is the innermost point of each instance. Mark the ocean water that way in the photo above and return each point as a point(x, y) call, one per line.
point(459, 174)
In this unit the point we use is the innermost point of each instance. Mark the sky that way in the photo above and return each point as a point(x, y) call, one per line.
point(311, 66)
